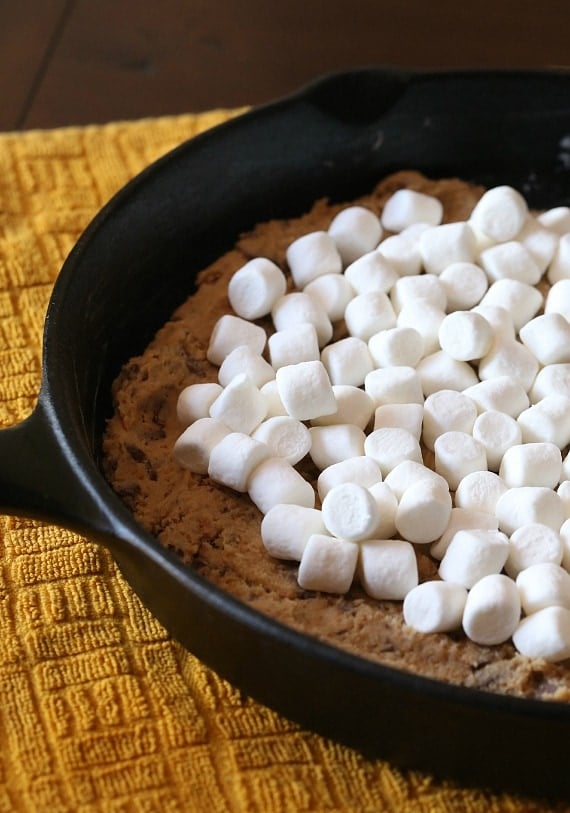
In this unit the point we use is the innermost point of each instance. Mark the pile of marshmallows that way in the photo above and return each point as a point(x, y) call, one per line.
point(450, 343)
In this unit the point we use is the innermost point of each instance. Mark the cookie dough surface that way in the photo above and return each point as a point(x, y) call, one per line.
point(217, 532)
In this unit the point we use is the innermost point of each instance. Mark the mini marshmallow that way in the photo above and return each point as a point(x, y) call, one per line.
point(439, 371)
point(533, 544)
point(328, 564)
point(406, 207)
point(443, 245)
point(565, 473)
point(293, 345)
point(556, 219)
point(426, 319)
point(465, 335)
point(531, 464)
point(285, 530)
point(286, 437)
point(473, 554)
point(230, 332)
point(311, 256)
point(497, 432)
point(305, 390)
point(462, 519)
point(193, 448)
point(435, 606)
point(240, 405)
point(332, 444)
point(255, 287)
point(390, 446)
point(492, 610)
point(362, 470)
point(547, 421)
point(394, 385)
point(195, 400)
point(233, 459)
point(275, 482)
point(560, 265)
point(403, 253)
point(426, 287)
point(371, 272)
point(521, 300)
point(554, 379)
point(545, 634)
point(509, 358)
point(409, 472)
point(350, 512)
point(355, 230)
point(563, 492)
point(499, 318)
point(366, 314)
point(510, 260)
point(272, 400)
point(543, 585)
point(395, 347)
point(387, 568)
point(548, 338)
point(387, 504)
point(500, 213)
point(401, 416)
point(558, 299)
point(299, 308)
point(347, 361)
point(464, 284)
point(499, 394)
point(444, 411)
point(423, 511)
point(353, 406)
point(529, 504)
point(480, 491)
point(458, 454)
point(245, 361)
point(539, 241)
point(332, 292)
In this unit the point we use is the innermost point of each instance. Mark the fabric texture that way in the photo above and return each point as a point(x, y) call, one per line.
point(100, 710)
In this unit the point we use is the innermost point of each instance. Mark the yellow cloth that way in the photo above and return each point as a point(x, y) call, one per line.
point(99, 709)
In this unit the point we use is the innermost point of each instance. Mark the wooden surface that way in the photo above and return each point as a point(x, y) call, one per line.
point(89, 61)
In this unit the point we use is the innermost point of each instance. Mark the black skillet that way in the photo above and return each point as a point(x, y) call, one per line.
point(138, 260)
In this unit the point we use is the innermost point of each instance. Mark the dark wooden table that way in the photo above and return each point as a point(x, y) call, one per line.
point(89, 61)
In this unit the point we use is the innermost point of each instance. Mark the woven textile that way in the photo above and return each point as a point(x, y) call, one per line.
point(99, 709)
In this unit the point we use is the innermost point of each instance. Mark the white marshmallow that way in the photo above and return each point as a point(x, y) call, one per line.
point(560, 265)
point(521, 300)
point(533, 544)
point(473, 554)
point(327, 564)
point(298, 308)
point(272, 400)
point(332, 292)
point(408, 473)
point(563, 492)
point(465, 335)
point(293, 345)
point(510, 260)
point(439, 371)
point(240, 405)
point(423, 511)
point(426, 287)
point(444, 411)
point(529, 504)
point(426, 319)
point(499, 394)
point(245, 361)
point(362, 470)
point(462, 519)
point(509, 358)
point(548, 338)
point(403, 253)
point(230, 332)
point(554, 379)
point(388, 568)
point(539, 241)
point(195, 400)
point(390, 446)
point(275, 482)
point(334, 443)
point(193, 448)
point(402, 416)
point(366, 314)
point(286, 437)
point(285, 530)
point(347, 361)
point(497, 432)
point(255, 287)
point(355, 230)
point(547, 421)
point(492, 610)
point(350, 512)
point(371, 272)
point(394, 385)
point(558, 299)
point(353, 406)
point(543, 585)
point(531, 464)
point(464, 284)
point(480, 491)
point(443, 245)
point(500, 213)
point(458, 454)
point(499, 318)
point(435, 606)
point(545, 634)
point(397, 346)
point(311, 256)
point(406, 207)
point(556, 219)
point(387, 504)
point(565, 474)
point(305, 390)
point(233, 459)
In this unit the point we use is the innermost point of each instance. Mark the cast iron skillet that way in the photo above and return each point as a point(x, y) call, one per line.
point(138, 260)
